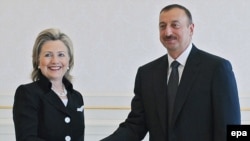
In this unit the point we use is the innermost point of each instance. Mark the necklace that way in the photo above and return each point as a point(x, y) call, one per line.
point(60, 92)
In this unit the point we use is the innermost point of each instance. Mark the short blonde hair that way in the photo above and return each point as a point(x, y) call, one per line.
point(50, 34)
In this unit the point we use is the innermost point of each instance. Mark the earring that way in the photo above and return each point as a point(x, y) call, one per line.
point(67, 68)
point(38, 67)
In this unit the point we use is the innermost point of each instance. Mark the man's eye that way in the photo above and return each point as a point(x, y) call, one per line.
point(162, 26)
point(176, 25)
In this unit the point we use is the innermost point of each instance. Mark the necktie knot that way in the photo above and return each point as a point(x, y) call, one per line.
point(175, 64)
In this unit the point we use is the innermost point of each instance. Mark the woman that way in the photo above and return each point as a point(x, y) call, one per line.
point(49, 109)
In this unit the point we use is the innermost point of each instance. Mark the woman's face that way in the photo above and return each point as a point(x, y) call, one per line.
point(54, 60)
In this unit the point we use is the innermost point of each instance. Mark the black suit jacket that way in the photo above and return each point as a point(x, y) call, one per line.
point(206, 101)
point(40, 115)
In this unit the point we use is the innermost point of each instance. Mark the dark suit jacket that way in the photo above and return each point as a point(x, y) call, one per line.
point(206, 101)
point(40, 115)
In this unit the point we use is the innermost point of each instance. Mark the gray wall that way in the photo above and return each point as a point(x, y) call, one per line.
point(112, 38)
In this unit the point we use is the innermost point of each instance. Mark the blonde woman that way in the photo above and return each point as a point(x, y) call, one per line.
point(49, 109)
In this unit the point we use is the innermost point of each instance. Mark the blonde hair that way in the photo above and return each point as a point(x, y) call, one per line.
point(50, 34)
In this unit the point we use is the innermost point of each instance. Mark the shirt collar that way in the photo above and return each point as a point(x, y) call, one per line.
point(182, 59)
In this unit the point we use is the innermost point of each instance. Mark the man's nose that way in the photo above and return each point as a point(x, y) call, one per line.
point(168, 31)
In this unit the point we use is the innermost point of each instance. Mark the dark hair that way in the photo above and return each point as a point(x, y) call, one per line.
point(172, 6)
point(50, 34)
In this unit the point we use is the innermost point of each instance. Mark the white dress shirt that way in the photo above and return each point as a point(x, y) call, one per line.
point(182, 59)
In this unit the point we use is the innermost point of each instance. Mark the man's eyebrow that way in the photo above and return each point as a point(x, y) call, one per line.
point(162, 23)
point(175, 21)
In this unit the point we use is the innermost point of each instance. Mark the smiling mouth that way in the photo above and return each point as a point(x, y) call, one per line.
point(170, 41)
point(55, 68)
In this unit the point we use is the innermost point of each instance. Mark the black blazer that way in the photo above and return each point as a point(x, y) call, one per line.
point(206, 101)
point(40, 115)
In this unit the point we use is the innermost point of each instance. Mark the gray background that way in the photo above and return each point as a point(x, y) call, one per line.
point(112, 38)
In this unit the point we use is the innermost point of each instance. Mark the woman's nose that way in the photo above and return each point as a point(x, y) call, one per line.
point(54, 59)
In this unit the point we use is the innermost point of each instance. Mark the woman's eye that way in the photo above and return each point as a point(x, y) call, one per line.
point(61, 55)
point(48, 55)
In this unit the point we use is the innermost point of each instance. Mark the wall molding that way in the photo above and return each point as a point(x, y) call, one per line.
point(110, 101)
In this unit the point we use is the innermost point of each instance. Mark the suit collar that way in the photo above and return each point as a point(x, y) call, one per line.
point(45, 84)
point(51, 96)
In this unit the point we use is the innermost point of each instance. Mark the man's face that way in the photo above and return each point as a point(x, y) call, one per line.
point(175, 31)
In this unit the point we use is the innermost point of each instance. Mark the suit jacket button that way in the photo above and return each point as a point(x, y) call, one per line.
point(67, 120)
point(67, 138)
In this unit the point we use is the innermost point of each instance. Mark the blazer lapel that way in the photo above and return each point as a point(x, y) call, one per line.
point(160, 85)
point(49, 95)
point(55, 101)
point(72, 104)
point(188, 77)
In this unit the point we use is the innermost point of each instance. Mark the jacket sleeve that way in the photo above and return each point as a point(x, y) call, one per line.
point(226, 108)
point(134, 127)
point(25, 115)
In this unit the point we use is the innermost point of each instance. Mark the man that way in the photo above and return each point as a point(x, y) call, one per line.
point(206, 100)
